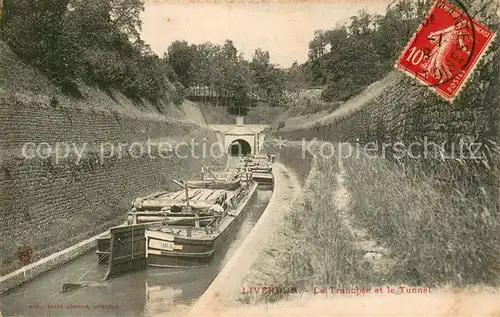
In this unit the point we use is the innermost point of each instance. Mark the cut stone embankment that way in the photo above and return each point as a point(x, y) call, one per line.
point(69, 168)
point(350, 106)
point(49, 204)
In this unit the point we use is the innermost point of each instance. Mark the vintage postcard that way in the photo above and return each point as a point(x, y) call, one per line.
point(249, 158)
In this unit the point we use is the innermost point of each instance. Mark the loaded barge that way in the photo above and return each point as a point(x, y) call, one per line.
point(188, 245)
point(260, 168)
point(183, 228)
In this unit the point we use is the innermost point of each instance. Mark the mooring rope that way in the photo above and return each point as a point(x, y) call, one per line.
point(93, 264)
point(60, 293)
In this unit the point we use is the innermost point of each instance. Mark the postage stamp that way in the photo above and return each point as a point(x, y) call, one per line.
point(445, 50)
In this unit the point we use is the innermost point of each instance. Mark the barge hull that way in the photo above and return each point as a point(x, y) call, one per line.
point(200, 252)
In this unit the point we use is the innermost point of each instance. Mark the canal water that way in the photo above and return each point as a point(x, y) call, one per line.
point(140, 294)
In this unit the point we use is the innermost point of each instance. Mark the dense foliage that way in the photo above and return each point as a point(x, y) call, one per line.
point(347, 58)
point(218, 73)
point(96, 42)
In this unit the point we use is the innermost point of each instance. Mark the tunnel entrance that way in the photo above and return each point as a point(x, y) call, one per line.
point(239, 147)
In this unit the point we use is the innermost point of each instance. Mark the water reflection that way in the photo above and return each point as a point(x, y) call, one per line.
point(145, 293)
point(160, 298)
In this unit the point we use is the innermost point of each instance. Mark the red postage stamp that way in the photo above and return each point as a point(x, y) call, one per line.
point(445, 50)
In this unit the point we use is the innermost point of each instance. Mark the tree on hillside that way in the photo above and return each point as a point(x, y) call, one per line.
point(317, 46)
point(349, 57)
point(238, 87)
point(200, 68)
point(336, 37)
point(260, 66)
point(395, 28)
point(229, 51)
point(109, 52)
point(269, 80)
point(276, 87)
point(222, 73)
point(296, 79)
point(34, 30)
point(360, 24)
point(95, 41)
point(125, 16)
point(180, 57)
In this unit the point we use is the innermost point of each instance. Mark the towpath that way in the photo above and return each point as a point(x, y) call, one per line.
point(224, 290)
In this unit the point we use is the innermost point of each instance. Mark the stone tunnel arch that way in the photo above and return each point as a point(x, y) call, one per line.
point(239, 147)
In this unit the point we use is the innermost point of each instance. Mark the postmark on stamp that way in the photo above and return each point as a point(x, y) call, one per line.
point(445, 49)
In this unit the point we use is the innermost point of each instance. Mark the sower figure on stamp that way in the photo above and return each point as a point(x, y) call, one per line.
point(443, 41)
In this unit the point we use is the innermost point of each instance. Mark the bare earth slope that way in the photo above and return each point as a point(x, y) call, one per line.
point(352, 104)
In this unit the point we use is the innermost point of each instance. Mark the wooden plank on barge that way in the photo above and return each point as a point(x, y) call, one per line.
point(178, 194)
point(195, 192)
point(198, 196)
point(206, 194)
point(217, 193)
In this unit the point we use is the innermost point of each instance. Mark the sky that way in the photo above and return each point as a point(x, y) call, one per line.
point(283, 29)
